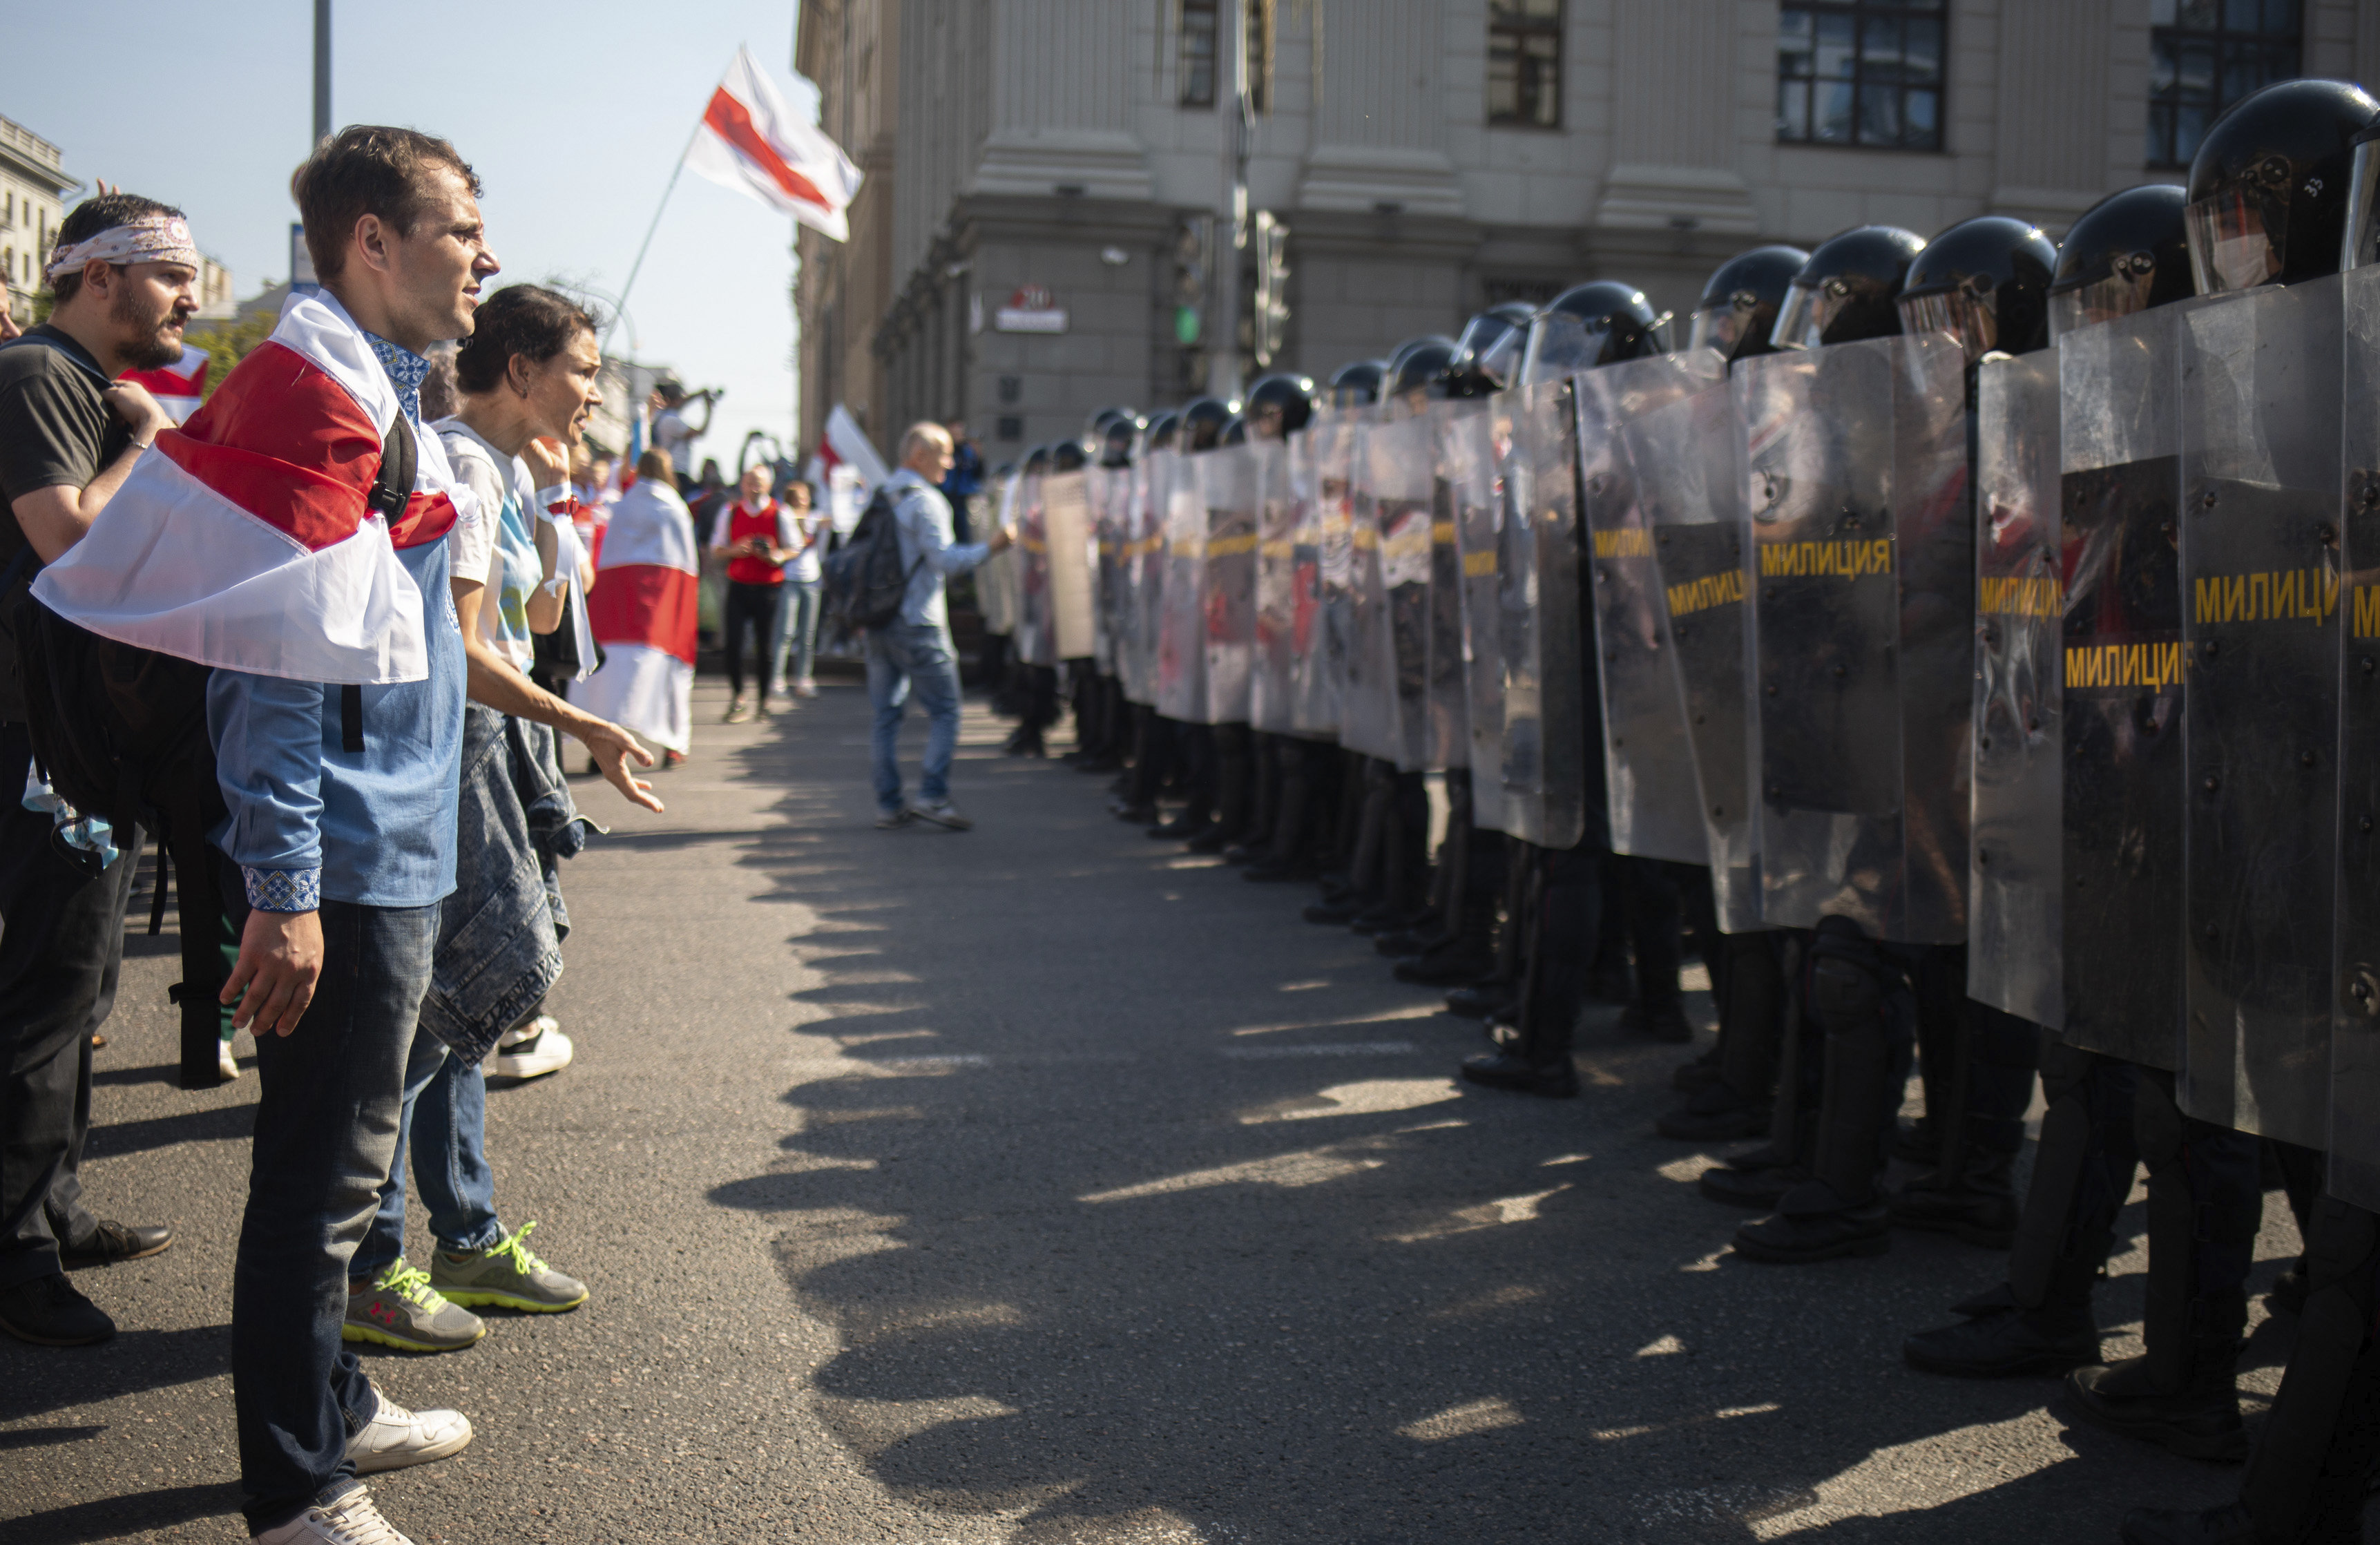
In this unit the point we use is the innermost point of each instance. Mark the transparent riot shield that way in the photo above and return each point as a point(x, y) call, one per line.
point(996, 584)
point(1544, 757)
point(1470, 452)
point(2260, 492)
point(1272, 679)
point(1066, 529)
point(2015, 946)
point(1228, 479)
point(1036, 640)
point(2355, 1034)
point(1326, 541)
point(1107, 487)
point(1689, 481)
point(2120, 860)
point(1446, 722)
point(1367, 706)
point(1182, 623)
point(1145, 571)
point(1647, 756)
point(1863, 613)
point(1397, 461)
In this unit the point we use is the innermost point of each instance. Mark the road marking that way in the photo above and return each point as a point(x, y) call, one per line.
point(1322, 1049)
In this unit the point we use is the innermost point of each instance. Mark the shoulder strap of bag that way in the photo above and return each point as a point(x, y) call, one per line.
point(392, 489)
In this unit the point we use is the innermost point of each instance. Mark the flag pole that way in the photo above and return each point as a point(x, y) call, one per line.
point(647, 244)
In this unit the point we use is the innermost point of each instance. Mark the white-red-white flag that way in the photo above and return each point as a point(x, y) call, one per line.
point(178, 387)
point(751, 142)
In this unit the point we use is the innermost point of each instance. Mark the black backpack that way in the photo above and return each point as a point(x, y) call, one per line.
point(121, 730)
point(865, 581)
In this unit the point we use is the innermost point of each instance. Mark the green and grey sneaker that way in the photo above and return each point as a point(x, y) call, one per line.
point(505, 1274)
point(401, 1310)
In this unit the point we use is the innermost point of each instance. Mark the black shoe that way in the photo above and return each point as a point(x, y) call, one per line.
point(1800, 1239)
point(1918, 1143)
point(1481, 1000)
point(1697, 1075)
point(1214, 839)
point(1407, 943)
point(1240, 855)
point(1981, 1214)
point(1502, 1070)
point(1987, 1303)
point(1448, 962)
point(1667, 1023)
point(2289, 1292)
point(1750, 1190)
point(47, 1311)
point(1337, 914)
point(1714, 1113)
point(1105, 762)
point(2227, 1524)
point(111, 1242)
point(2003, 1345)
point(1268, 871)
point(1385, 918)
point(1135, 815)
point(1023, 744)
point(2199, 1421)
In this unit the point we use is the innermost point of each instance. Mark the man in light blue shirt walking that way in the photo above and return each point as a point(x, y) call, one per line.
point(912, 656)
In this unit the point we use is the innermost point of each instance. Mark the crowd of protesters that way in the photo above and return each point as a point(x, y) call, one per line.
point(394, 577)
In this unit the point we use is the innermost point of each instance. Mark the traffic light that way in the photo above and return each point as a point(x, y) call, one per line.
point(1270, 332)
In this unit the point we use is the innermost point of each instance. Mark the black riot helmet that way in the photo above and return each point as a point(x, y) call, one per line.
point(1846, 289)
point(2126, 254)
point(1986, 281)
point(1419, 366)
point(1116, 440)
point(1487, 355)
point(1739, 307)
point(1165, 431)
point(1095, 428)
point(1279, 405)
point(1592, 324)
point(1236, 433)
point(2269, 190)
point(1067, 455)
point(1037, 461)
point(1203, 420)
point(1358, 386)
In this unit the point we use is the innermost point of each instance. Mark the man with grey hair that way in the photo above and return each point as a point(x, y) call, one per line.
point(912, 656)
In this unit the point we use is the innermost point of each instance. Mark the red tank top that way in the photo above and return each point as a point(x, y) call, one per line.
point(744, 523)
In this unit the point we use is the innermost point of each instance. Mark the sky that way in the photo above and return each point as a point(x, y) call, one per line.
point(572, 115)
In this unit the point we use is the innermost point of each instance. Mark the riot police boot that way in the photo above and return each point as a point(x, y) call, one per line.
point(1555, 1078)
point(1978, 1203)
point(1917, 1143)
point(1481, 1000)
point(1697, 1073)
point(2197, 1416)
point(2008, 1344)
point(1188, 826)
point(1714, 1113)
point(1662, 1022)
point(1466, 955)
point(1750, 1190)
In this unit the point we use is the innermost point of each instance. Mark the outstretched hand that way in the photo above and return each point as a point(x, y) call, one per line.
point(611, 748)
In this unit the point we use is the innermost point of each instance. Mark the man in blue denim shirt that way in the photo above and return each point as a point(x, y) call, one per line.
point(913, 655)
point(342, 856)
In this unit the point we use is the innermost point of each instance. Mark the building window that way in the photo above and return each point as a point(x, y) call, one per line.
point(1524, 63)
point(1860, 72)
point(1201, 32)
point(2206, 54)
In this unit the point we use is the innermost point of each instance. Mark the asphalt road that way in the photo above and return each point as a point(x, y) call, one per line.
point(1039, 1183)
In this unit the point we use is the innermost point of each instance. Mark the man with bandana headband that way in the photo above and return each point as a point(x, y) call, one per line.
point(122, 276)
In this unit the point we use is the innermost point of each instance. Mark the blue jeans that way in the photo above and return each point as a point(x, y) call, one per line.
point(799, 639)
point(903, 659)
point(330, 1097)
point(444, 1124)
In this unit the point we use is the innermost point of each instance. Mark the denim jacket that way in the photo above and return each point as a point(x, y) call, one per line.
point(500, 932)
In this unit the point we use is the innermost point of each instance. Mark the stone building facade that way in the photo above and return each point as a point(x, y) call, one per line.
point(1044, 176)
point(33, 186)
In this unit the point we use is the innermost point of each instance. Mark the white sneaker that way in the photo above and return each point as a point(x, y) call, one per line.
point(226, 1066)
point(528, 1029)
point(546, 1051)
point(352, 1520)
point(395, 1438)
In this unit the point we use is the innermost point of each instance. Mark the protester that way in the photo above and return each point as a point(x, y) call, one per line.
point(527, 380)
point(121, 279)
point(643, 611)
point(805, 574)
point(963, 480)
point(8, 328)
point(755, 537)
point(672, 433)
point(912, 656)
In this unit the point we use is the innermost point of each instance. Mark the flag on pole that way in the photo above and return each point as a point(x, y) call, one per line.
point(178, 387)
point(843, 444)
point(751, 142)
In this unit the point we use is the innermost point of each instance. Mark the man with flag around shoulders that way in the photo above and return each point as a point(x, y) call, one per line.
point(121, 276)
point(289, 537)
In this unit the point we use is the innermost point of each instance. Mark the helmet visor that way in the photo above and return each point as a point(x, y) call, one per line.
point(2361, 244)
point(1561, 344)
point(1724, 327)
point(2237, 240)
point(1808, 311)
point(1965, 316)
point(1500, 361)
point(2118, 294)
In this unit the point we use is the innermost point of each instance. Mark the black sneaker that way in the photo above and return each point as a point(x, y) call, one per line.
point(111, 1242)
point(47, 1311)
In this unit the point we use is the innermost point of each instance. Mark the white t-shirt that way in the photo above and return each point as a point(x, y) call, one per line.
point(809, 541)
point(480, 550)
point(674, 434)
